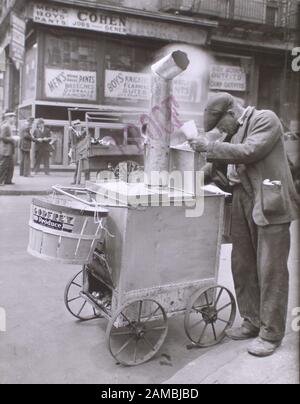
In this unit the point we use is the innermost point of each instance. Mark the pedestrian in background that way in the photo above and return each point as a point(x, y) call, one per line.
point(25, 148)
point(7, 149)
point(76, 134)
point(42, 138)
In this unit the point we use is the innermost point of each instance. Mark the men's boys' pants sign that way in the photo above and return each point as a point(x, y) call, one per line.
point(69, 84)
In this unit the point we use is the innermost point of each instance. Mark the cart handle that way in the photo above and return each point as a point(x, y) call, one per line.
point(64, 191)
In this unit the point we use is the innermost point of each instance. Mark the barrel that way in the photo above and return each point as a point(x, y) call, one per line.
point(65, 231)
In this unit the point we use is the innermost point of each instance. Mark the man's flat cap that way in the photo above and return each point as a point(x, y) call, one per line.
point(217, 106)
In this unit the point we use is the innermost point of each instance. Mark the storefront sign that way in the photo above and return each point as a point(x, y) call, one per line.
point(137, 86)
point(228, 78)
point(68, 84)
point(17, 43)
point(189, 91)
point(96, 20)
point(127, 85)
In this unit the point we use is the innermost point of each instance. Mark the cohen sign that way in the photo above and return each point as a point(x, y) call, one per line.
point(95, 20)
point(82, 19)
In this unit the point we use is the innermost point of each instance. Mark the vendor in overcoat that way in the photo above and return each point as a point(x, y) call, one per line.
point(265, 202)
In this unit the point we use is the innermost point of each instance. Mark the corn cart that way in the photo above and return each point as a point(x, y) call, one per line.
point(109, 143)
point(137, 282)
point(149, 251)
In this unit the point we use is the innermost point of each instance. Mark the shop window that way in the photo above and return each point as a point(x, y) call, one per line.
point(127, 58)
point(71, 53)
point(272, 14)
point(70, 69)
point(29, 74)
point(127, 76)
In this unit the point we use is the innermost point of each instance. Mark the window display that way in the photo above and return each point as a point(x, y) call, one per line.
point(70, 68)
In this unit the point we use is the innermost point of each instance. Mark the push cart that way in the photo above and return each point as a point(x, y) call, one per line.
point(150, 252)
point(154, 259)
point(109, 143)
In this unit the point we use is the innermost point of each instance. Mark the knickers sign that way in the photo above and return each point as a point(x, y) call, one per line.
point(68, 84)
point(137, 86)
point(127, 85)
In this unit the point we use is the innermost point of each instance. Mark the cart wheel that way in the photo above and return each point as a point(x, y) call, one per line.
point(136, 332)
point(125, 169)
point(74, 301)
point(209, 314)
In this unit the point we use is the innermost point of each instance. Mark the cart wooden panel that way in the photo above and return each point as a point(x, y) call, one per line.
point(171, 258)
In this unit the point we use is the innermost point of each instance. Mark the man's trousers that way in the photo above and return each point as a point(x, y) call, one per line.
point(260, 269)
point(25, 164)
point(6, 169)
point(42, 157)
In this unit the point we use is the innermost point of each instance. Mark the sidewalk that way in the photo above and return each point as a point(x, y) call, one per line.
point(229, 363)
point(37, 185)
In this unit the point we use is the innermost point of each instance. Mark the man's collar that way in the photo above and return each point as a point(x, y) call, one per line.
point(243, 118)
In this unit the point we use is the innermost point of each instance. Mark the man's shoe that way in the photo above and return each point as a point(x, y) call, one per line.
point(9, 183)
point(242, 333)
point(262, 348)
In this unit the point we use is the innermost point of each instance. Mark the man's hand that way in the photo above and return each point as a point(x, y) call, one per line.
point(199, 144)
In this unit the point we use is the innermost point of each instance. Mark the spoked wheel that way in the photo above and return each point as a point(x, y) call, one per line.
point(209, 314)
point(136, 332)
point(125, 170)
point(75, 303)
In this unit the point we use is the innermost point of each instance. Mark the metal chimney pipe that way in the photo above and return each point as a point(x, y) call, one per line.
point(171, 65)
point(157, 152)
